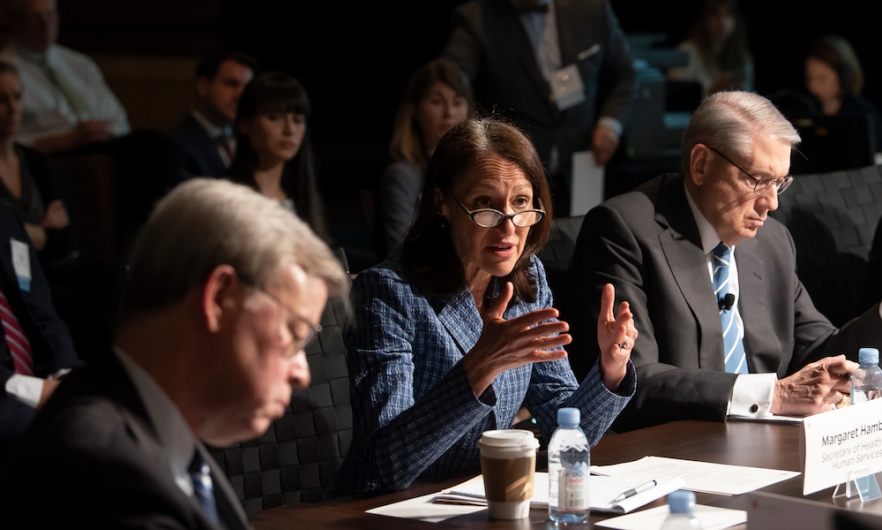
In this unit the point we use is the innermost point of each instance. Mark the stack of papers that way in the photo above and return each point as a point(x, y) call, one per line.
point(603, 491)
point(719, 479)
point(711, 518)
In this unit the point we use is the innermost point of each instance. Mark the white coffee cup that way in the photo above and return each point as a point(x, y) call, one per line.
point(508, 462)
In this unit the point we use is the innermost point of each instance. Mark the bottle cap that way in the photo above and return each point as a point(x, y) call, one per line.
point(681, 501)
point(568, 417)
point(868, 355)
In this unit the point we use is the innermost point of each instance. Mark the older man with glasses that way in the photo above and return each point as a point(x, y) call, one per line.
point(726, 327)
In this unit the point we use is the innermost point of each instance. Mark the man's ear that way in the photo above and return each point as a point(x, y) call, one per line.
point(202, 86)
point(699, 164)
point(441, 206)
point(218, 298)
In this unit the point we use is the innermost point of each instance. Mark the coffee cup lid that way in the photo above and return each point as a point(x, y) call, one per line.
point(509, 438)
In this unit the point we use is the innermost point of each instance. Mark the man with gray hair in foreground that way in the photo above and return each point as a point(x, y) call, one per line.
point(225, 291)
point(726, 327)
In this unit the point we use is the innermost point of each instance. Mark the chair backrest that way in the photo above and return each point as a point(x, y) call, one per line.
point(297, 459)
point(87, 184)
point(832, 218)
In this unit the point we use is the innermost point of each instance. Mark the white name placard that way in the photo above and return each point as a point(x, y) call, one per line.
point(841, 441)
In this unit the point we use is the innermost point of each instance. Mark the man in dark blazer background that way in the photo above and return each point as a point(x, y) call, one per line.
point(225, 291)
point(516, 52)
point(206, 135)
point(47, 337)
point(657, 246)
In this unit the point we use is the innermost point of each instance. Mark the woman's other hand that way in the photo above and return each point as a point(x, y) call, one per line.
point(507, 344)
point(615, 336)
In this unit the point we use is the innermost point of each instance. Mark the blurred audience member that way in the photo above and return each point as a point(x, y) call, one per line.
point(26, 179)
point(436, 98)
point(274, 152)
point(717, 48)
point(833, 75)
point(67, 104)
point(206, 133)
point(36, 348)
point(225, 291)
point(561, 71)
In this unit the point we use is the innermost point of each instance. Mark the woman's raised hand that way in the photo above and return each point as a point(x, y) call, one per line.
point(507, 344)
point(615, 336)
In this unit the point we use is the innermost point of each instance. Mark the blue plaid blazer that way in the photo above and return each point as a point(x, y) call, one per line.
point(414, 412)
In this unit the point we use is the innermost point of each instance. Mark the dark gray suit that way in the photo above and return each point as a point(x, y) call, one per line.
point(201, 157)
point(92, 459)
point(490, 44)
point(646, 243)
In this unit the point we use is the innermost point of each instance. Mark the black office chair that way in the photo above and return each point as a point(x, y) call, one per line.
point(297, 459)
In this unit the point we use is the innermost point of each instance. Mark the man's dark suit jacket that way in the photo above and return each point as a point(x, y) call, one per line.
point(492, 47)
point(92, 459)
point(646, 243)
point(49, 337)
point(201, 158)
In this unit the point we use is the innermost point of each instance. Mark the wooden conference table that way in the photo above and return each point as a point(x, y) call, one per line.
point(774, 446)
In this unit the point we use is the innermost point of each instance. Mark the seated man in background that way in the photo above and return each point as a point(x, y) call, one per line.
point(36, 347)
point(225, 291)
point(725, 325)
point(206, 135)
point(67, 104)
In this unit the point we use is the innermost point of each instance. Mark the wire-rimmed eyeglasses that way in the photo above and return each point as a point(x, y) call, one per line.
point(490, 217)
point(303, 332)
point(759, 184)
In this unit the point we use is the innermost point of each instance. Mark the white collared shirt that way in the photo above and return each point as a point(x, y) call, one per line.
point(174, 434)
point(47, 111)
point(752, 394)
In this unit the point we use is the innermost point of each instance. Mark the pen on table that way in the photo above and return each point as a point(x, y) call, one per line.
point(635, 490)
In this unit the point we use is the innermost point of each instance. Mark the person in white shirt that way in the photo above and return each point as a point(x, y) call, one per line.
point(716, 339)
point(67, 104)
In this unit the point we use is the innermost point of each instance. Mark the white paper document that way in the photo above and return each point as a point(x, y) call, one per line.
point(587, 188)
point(711, 518)
point(719, 479)
point(603, 491)
point(425, 509)
point(771, 418)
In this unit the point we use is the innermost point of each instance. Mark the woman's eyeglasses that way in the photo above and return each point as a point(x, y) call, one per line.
point(489, 217)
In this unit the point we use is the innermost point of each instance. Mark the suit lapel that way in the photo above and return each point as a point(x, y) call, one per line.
point(460, 318)
point(571, 31)
point(681, 245)
point(205, 144)
point(752, 306)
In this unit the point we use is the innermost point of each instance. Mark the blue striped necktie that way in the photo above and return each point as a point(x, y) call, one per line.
point(200, 473)
point(736, 362)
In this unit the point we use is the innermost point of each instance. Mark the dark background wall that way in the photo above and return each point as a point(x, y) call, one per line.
point(355, 57)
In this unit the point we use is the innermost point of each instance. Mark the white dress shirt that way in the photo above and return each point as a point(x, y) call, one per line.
point(753, 393)
point(47, 111)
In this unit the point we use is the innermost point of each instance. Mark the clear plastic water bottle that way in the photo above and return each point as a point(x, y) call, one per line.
point(866, 383)
point(569, 461)
point(682, 517)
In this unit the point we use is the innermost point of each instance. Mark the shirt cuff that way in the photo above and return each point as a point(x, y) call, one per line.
point(752, 395)
point(25, 388)
point(614, 125)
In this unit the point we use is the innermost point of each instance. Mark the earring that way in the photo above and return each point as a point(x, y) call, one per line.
point(442, 221)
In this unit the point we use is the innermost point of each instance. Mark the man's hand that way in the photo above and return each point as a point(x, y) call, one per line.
point(816, 388)
point(56, 215)
point(84, 133)
point(604, 142)
point(49, 386)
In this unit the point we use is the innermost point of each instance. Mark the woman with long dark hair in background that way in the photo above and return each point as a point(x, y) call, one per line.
point(273, 147)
